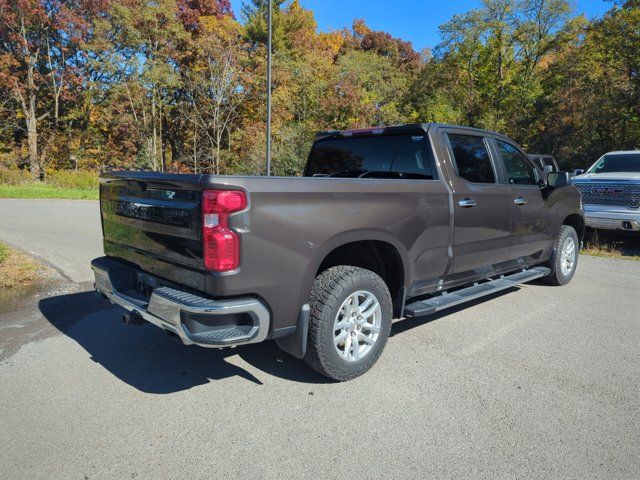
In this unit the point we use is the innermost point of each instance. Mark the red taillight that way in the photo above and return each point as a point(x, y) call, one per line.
point(220, 244)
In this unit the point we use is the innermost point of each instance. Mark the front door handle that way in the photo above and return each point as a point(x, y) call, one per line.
point(467, 203)
point(520, 201)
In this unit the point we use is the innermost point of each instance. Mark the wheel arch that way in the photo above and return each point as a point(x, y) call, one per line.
point(576, 221)
point(376, 251)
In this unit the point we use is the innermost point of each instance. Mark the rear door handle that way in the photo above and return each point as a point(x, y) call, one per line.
point(520, 201)
point(467, 203)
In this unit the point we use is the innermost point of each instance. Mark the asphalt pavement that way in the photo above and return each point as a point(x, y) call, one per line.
point(63, 233)
point(537, 382)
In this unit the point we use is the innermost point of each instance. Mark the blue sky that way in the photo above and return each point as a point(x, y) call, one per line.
point(413, 20)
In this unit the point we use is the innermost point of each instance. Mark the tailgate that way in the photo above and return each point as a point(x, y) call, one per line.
point(153, 221)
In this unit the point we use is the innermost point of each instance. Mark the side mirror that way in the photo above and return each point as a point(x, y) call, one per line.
point(558, 179)
point(578, 171)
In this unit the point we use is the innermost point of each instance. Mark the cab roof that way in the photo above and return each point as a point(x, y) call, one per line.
point(409, 128)
point(363, 132)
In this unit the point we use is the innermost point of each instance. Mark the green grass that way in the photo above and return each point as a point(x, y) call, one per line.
point(3, 252)
point(59, 184)
point(72, 179)
point(46, 190)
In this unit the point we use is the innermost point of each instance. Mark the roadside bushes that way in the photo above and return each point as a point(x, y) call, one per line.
point(56, 178)
point(15, 183)
point(73, 179)
point(14, 177)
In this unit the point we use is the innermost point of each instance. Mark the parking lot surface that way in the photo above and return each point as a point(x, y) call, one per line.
point(538, 382)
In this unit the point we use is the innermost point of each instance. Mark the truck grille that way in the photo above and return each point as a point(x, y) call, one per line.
point(616, 194)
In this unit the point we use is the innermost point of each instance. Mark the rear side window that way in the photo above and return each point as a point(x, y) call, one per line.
point(390, 156)
point(472, 158)
point(519, 170)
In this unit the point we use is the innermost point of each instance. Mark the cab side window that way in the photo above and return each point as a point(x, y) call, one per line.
point(472, 158)
point(519, 170)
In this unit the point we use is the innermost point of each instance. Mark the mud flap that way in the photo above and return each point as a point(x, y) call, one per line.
point(296, 343)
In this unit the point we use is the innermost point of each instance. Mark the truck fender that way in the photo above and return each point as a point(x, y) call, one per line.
point(343, 239)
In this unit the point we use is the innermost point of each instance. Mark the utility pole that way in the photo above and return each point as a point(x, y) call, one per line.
point(269, 50)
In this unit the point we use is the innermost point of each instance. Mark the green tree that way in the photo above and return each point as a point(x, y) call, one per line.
point(39, 65)
point(138, 44)
point(592, 90)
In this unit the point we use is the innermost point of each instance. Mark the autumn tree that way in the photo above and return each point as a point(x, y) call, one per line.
point(487, 71)
point(214, 88)
point(137, 43)
point(181, 84)
point(39, 50)
point(592, 89)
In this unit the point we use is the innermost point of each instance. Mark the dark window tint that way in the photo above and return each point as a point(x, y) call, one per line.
point(519, 170)
point(615, 162)
point(472, 158)
point(397, 156)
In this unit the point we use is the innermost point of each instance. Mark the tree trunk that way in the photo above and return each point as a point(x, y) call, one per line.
point(163, 157)
point(218, 158)
point(195, 150)
point(32, 139)
point(154, 138)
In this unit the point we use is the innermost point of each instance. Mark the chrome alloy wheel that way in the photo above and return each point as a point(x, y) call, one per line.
point(568, 255)
point(357, 326)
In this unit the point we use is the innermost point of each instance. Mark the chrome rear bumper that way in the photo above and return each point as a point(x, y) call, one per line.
point(194, 319)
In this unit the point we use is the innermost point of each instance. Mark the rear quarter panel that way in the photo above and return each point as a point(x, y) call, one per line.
point(292, 224)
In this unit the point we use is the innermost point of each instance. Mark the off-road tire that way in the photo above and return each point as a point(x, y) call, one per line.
point(557, 277)
point(330, 289)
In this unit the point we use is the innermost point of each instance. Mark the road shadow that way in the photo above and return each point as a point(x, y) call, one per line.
point(150, 361)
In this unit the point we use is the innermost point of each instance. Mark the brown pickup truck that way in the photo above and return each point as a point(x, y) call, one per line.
point(385, 223)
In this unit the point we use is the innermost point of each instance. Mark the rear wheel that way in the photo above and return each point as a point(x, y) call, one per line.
point(564, 259)
point(351, 314)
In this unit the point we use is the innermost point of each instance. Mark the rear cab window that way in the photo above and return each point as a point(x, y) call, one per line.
point(403, 156)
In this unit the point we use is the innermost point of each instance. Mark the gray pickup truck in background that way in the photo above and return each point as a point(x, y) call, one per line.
point(385, 223)
point(611, 192)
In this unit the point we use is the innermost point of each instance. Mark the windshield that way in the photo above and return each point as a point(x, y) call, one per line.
point(615, 162)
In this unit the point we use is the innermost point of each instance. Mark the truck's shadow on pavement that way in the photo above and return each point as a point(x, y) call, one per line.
point(147, 359)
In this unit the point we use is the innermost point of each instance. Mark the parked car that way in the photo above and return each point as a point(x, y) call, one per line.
point(611, 192)
point(541, 161)
point(385, 223)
